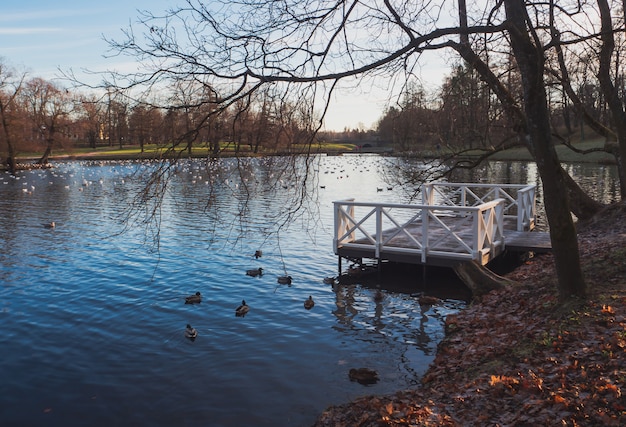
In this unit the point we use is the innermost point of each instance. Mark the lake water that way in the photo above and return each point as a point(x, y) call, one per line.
point(92, 311)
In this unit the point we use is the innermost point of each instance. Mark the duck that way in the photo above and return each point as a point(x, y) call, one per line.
point(190, 332)
point(329, 280)
point(363, 375)
point(242, 309)
point(309, 303)
point(50, 225)
point(258, 254)
point(428, 300)
point(255, 272)
point(192, 299)
point(284, 280)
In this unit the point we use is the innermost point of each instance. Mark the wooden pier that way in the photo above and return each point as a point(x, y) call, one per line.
point(456, 222)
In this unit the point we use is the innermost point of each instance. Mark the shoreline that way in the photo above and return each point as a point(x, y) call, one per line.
point(27, 163)
point(518, 357)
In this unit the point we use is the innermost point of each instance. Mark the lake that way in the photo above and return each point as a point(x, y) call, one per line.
point(93, 313)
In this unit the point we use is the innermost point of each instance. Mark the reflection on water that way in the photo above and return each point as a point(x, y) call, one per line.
point(92, 315)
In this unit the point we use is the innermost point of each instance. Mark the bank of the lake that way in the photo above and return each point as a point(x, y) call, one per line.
point(518, 358)
point(586, 151)
point(153, 152)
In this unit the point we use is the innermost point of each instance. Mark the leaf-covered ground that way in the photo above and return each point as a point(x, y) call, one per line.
point(518, 358)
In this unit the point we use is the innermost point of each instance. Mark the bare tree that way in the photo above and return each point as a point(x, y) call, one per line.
point(48, 106)
point(11, 85)
point(528, 51)
point(91, 114)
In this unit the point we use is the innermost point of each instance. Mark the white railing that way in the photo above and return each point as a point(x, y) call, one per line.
point(520, 199)
point(452, 232)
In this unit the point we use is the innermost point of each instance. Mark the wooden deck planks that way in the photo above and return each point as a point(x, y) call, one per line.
point(528, 241)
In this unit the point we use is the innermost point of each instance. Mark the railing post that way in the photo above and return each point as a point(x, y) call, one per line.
point(428, 194)
point(464, 195)
point(526, 209)
point(337, 226)
point(351, 213)
point(379, 231)
point(532, 211)
point(425, 218)
point(477, 236)
point(500, 222)
point(340, 221)
point(521, 210)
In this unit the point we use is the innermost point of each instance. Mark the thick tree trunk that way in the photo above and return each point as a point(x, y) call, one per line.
point(530, 61)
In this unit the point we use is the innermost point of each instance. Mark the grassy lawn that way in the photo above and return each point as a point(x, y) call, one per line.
point(154, 151)
point(565, 153)
point(229, 149)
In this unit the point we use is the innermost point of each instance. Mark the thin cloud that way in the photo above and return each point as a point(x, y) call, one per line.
point(46, 14)
point(27, 31)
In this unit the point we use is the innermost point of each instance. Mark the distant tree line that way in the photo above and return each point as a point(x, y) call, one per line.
point(39, 116)
point(464, 113)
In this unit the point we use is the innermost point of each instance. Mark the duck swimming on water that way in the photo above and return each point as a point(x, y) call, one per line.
point(309, 303)
point(255, 272)
point(193, 299)
point(242, 309)
point(190, 332)
point(284, 280)
point(363, 376)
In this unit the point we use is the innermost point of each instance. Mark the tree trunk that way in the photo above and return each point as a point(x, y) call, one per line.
point(215, 149)
point(610, 92)
point(43, 160)
point(11, 161)
point(530, 60)
point(581, 204)
point(49, 143)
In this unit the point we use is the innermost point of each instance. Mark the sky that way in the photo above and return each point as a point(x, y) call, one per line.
point(46, 37)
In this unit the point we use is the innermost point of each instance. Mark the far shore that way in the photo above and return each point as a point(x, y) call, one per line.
point(592, 148)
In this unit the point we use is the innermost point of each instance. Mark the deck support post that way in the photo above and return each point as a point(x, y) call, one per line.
point(338, 266)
